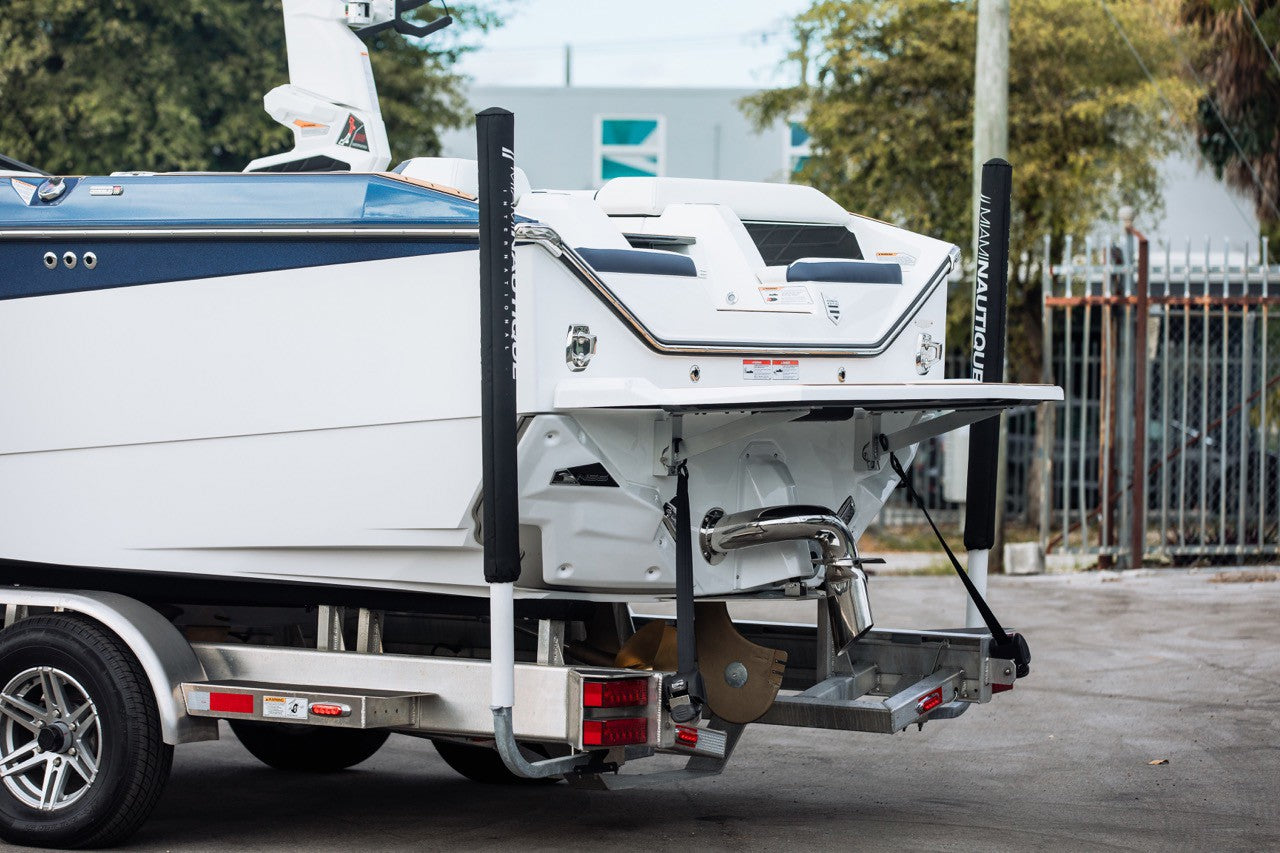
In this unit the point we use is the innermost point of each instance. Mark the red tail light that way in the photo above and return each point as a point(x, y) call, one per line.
point(687, 735)
point(628, 693)
point(929, 701)
point(623, 732)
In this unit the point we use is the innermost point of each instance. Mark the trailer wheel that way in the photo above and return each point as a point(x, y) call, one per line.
point(81, 753)
point(308, 749)
point(481, 764)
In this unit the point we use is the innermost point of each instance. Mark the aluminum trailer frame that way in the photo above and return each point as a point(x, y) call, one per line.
point(888, 680)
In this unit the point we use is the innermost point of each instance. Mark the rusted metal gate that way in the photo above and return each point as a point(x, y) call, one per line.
point(1170, 359)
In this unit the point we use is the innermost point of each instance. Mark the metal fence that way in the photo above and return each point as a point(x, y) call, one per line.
point(1171, 367)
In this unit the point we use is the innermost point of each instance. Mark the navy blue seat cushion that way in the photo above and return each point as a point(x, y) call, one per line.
point(853, 272)
point(639, 261)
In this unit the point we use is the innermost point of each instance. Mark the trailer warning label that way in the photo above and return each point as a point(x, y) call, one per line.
point(770, 370)
point(284, 707)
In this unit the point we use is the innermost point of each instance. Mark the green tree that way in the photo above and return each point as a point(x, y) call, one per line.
point(889, 107)
point(99, 85)
point(1238, 112)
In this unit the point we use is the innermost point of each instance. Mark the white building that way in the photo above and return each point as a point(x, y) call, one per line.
point(578, 137)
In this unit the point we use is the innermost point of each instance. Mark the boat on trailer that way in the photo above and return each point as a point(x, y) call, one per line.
point(245, 438)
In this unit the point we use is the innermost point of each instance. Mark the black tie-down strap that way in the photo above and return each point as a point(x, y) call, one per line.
point(684, 689)
point(1006, 646)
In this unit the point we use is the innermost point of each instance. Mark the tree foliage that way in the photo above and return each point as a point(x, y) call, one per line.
point(100, 85)
point(889, 104)
point(1238, 113)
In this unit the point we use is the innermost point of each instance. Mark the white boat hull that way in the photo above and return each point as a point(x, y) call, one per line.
point(320, 424)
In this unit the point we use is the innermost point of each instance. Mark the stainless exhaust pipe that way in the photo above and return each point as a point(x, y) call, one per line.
point(845, 583)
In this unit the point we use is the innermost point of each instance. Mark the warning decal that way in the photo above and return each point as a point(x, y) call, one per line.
point(899, 258)
point(284, 707)
point(788, 294)
point(24, 189)
point(353, 135)
point(770, 370)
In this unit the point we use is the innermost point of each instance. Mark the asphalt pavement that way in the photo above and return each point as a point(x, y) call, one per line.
point(1127, 669)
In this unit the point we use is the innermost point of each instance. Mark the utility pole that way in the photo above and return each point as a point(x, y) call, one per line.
point(568, 65)
point(803, 36)
point(990, 139)
point(990, 93)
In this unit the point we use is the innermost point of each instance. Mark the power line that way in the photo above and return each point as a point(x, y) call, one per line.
point(1254, 22)
point(614, 44)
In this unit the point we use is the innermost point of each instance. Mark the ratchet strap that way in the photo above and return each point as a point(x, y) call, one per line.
point(684, 690)
point(1005, 646)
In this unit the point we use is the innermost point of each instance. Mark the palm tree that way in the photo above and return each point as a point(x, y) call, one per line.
point(1238, 116)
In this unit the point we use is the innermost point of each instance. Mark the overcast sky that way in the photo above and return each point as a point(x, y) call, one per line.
point(694, 43)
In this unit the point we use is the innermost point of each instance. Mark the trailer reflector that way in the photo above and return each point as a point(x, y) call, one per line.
point(620, 732)
point(627, 693)
point(231, 703)
point(929, 701)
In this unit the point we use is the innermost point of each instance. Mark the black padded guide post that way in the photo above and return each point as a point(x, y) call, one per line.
point(500, 517)
point(990, 302)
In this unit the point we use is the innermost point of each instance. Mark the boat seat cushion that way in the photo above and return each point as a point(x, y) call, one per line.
point(639, 261)
point(852, 272)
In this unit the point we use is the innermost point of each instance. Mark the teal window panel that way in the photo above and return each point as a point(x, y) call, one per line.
point(628, 166)
point(799, 136)
point(629, 131)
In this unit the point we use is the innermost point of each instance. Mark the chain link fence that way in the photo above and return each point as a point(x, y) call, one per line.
point(1170, 362)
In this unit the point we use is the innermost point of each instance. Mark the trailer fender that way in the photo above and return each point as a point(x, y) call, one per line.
point(165, 655)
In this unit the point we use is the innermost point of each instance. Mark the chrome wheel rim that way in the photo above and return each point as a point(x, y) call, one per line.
point(50, 738)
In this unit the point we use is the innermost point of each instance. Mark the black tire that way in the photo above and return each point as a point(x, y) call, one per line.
point(481, 764)
point(122, 734)
point(308, 749)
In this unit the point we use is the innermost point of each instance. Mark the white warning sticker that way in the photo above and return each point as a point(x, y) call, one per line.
point(756, 369)
point(26, 191)
point(785, 369)
point(770, 370)
point(786, 294)
point(899, 258)
point(284, 707)
point(197, 700)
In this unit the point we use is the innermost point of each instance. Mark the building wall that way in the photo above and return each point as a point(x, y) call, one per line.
point(558, 133)
point(706, 135)
point(1197, 205)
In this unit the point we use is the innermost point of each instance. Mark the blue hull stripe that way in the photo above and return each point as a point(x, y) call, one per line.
point(131, 262)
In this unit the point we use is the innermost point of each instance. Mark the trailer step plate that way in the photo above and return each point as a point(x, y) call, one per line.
point(291, 703)
point(835, 704)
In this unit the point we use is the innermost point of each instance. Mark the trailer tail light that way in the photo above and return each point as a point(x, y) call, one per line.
point(627, 693)
point(929, 701)
point(687, 735)
point(621, 732)
point(330, 709)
